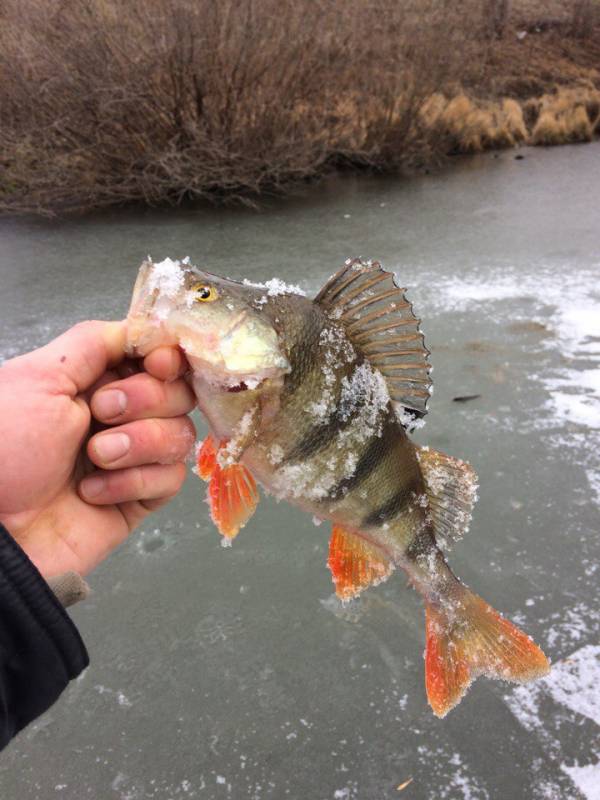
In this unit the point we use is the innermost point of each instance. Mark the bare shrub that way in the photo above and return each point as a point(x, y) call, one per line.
point(585, 15)
point(113, 101)
point(496, 14)
point(108, 101)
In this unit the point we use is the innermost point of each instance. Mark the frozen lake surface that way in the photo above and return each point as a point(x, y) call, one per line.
point(235, 673)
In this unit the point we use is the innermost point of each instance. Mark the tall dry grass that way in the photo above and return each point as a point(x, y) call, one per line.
point(565, 116)
point(466, 125)
point(108, 101)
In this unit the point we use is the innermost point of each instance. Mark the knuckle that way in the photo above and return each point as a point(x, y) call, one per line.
point(152, 392)
point(161, 436)
point(138, 481)
point(178, 473)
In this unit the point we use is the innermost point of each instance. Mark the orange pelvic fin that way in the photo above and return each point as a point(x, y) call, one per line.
point(206, 458)
point(355, 563)
point(469, 639)
point(233, 497)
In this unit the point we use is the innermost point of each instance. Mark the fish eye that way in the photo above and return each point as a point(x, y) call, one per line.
point(205, 293)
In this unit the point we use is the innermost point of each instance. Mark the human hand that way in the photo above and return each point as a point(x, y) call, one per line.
point(70, 495)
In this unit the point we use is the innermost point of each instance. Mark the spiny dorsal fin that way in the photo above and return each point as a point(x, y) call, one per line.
point(451, 487)
point(355, 563)
point(380, 323)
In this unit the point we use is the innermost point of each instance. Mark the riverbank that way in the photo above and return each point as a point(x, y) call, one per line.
point(106, 103)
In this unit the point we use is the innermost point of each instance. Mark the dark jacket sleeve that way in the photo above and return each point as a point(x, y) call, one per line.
point(40, 648)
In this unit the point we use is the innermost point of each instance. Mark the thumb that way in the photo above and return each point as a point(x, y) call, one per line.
point(84, 353)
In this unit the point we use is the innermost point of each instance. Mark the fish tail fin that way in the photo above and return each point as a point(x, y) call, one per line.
point(470, 638)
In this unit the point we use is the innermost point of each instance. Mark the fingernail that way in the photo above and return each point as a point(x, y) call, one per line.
point(110, 404)
point(92, 486)
point(111, 446)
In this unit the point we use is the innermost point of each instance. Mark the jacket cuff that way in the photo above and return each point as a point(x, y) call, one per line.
point(40, 647)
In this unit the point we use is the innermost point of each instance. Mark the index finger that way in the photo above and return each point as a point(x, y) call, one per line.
point(166, 363)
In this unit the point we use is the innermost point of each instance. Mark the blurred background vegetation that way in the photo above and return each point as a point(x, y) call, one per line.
point(104, 102)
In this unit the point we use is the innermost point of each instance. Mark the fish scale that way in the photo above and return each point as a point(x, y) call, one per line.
point(315, 401)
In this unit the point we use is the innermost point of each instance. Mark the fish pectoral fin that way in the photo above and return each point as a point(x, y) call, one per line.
point(355, 563)
point(206, 458)
point(380, 323)
point(232, 492)
point(470, 638)
point(451, 488)
point(232, 497)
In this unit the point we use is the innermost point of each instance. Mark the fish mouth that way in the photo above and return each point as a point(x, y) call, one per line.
point(239, 387)
point(245, 384)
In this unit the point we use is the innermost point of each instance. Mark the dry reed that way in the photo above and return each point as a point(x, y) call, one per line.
point(566, 116)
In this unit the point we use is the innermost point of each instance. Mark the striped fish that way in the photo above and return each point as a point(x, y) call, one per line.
point(315, 399)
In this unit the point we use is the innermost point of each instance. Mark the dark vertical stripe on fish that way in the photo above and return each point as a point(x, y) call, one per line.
point(390, 509)
point(302, 355)
point(320, 436)
point(421, 544)
point(377, 449)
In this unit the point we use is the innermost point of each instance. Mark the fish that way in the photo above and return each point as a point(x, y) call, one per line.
point(315, 400)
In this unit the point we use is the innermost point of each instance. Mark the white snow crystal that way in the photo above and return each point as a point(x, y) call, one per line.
point(275, 287)
point(276, 454)
point(167, 276)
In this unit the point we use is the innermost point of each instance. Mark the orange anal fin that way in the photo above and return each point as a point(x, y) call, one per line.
point(475, 640)
point(355, 563)
point(233, 497)
point(206, 458)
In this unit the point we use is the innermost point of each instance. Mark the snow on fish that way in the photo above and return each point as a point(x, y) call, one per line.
point(315, 400)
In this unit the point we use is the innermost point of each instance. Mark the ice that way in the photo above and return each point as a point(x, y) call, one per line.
point(568, 310)
point(572, 683)
point(575, 396)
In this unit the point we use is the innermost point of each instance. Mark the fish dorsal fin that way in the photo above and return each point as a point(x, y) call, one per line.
point(451, 487)
point(380, 323)
point(355, 563)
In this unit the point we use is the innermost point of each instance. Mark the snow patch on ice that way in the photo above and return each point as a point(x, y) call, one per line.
point(572, 683)
point(586, 779)
point(570, 310)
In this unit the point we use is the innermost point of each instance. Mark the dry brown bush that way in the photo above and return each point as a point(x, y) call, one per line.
point(112, 101)
point(108, 101)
